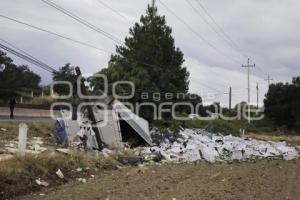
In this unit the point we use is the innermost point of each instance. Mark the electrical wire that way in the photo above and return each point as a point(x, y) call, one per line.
point(28, 58)
point(82, 21)
point(54, 33)
point(219, 27)
point(92, 26)
point(228, 42)
point(196, 33)
point(113, 10)
point(229, 39)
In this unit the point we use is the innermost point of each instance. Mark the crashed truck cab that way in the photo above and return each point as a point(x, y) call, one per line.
point(116, 125)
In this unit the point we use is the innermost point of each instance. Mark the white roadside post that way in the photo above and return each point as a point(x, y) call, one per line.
point(23, 128)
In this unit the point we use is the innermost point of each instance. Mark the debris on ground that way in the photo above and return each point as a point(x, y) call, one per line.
point(82, 180)
point(111, 127)
point(134, 161)
point(41, 182)
point(64, 151)
point(60, 132)
point(59, 174)
point(3, 130)
point(9, 148)
point(298, 149)
point(198, 144)
point(79, 169)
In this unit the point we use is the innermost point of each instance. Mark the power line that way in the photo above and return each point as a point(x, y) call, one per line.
point(196, 33)
point(28, 58)
point(24, 57)
point(55, 34)
point(113, 10)
point(229, 39)
point(219, 27)
point(67, 38)
point(59, 35)
point(208, 86)
point(269, 79)
point(82, 21)
point(92, 26)
point(212, 27)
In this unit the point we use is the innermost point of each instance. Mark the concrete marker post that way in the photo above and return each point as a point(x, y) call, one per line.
point(23, 128)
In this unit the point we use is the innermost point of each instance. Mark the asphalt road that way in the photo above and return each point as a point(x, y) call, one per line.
point(25, 118)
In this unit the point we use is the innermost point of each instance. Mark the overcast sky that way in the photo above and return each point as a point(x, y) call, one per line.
point(267, 31)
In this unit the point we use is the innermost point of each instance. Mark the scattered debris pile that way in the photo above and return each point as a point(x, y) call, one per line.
point(196, 144)
point(34, 146)
point(115, 124)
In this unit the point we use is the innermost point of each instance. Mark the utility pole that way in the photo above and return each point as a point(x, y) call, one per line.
point(269, 79)
point(257, 95)
point(248, 76)
point(230, 93)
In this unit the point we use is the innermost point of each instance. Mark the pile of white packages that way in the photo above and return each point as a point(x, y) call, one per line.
point(196, 144)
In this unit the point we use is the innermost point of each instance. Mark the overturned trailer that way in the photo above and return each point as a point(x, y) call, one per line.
point(115, 123)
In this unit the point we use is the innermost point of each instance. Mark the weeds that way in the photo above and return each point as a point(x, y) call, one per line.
point(18, 175)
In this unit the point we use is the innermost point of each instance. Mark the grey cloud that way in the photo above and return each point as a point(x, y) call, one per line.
point(266, 30)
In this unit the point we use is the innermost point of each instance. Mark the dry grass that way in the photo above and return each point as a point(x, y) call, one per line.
point(290, 139)
point(36, 129)
point(18, 175)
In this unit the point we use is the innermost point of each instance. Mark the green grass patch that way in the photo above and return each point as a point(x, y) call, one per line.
point(217, 125)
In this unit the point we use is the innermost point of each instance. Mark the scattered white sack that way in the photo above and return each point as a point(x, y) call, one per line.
point(192, 155)
point(237, 155)
point(165, 155)
point(65, 151)
point(79, 169)
point(82, 180)
point(176, 148)
point(106, 152)
point(288, 153)
point(208, 152)
point(196, 144)
point(59, 174)
point(3, 130)
point(41, 182)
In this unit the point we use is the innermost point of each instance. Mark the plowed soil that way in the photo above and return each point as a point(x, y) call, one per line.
point(261, 180)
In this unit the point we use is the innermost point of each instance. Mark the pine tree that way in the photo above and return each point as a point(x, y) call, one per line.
point(149, 57)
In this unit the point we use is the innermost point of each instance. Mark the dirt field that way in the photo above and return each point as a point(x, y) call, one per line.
point(262, 180)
